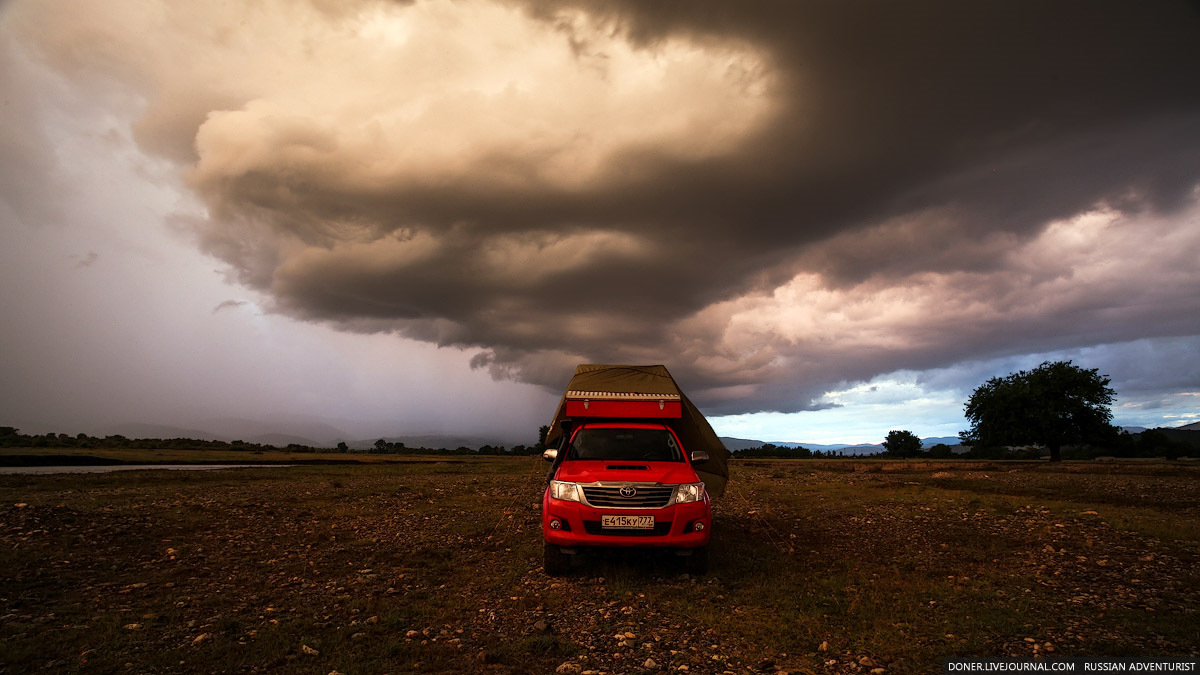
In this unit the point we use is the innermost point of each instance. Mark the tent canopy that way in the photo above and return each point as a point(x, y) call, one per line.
point(691, 427)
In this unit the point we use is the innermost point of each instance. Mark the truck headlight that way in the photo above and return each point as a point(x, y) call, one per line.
point(689, 492)
point(563, 490)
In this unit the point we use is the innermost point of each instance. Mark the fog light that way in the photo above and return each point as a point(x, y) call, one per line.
point(699, 526)
point(555, 524)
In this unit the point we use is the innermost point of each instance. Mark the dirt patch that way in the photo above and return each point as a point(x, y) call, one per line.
point(435, 567)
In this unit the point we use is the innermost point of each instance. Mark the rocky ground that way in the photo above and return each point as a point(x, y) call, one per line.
point(817, 567)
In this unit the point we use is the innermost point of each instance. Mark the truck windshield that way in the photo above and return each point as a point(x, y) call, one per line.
point(646, 445)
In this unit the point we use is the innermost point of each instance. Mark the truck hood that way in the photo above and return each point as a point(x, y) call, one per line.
point(586, 471)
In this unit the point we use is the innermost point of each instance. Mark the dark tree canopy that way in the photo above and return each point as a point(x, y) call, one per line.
point(902, 444)
point(1055, 404)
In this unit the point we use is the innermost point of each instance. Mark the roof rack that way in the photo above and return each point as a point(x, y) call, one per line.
point(622, 404)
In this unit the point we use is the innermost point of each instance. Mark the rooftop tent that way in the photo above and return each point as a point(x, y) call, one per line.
point(643, 392)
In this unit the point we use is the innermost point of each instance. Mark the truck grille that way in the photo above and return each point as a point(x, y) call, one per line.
point(661, 529)
point(644, 497)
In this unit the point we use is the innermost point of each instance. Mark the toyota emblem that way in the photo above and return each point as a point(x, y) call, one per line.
point(628, 491)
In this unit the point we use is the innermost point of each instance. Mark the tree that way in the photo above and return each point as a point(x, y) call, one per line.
point(1156, 443)
point(1055, 404)
point(902, 444)
point(941, 451)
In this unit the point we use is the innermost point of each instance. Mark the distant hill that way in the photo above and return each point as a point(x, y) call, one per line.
point(860, 449)
point(292, 429)
point(1188, 435)
point(284, 440)
point(284, 432)
point(431, 441)
point(844, 448)
point(163, 431)
point(732, 444)
point(301, 432)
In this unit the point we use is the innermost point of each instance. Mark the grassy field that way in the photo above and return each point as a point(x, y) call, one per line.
point(817, 567)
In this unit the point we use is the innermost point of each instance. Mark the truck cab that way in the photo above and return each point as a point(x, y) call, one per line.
point(625, 483)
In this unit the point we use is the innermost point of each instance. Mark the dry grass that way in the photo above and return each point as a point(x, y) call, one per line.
point(435, 567)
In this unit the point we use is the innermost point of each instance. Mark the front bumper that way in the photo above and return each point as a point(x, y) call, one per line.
point(674, 525)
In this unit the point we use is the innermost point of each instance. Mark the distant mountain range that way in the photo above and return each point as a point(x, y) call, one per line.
point(844, 448)
point(301, 432)
point(431, 441)
point(318, 434)
point(934, 440)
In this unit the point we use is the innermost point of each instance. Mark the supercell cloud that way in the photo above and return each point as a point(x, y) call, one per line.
point(772, 198)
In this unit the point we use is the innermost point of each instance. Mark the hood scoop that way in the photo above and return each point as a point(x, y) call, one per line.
point(627, 467)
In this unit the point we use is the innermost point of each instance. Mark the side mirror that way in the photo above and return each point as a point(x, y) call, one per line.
point(699, 457)
point(550, 455)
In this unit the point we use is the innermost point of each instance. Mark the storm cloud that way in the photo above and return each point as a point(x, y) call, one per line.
point(774, 199)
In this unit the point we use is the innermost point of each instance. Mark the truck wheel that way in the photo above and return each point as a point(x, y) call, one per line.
point(697, 562)
point(555, 561)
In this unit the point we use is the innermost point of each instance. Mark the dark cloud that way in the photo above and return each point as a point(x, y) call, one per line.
point(229, 304)
point(773, 198)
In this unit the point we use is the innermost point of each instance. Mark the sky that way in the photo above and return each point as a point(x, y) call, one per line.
point(828, 219)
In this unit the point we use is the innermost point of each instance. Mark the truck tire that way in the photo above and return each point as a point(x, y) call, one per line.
point(697, 562)
point(555, 561)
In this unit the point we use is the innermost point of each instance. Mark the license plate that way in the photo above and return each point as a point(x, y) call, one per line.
point(628, 522)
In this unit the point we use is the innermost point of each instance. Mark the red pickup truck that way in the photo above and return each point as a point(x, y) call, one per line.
point(622, 474)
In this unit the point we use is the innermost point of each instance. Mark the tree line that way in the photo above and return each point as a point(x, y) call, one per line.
point(385, 447)
point(904, 444)
point(1057, 409)
point(1152, 443)
point(772, 451)
point(11, 437)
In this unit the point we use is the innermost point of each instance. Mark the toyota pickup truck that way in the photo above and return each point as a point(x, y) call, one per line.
point(622, 475)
